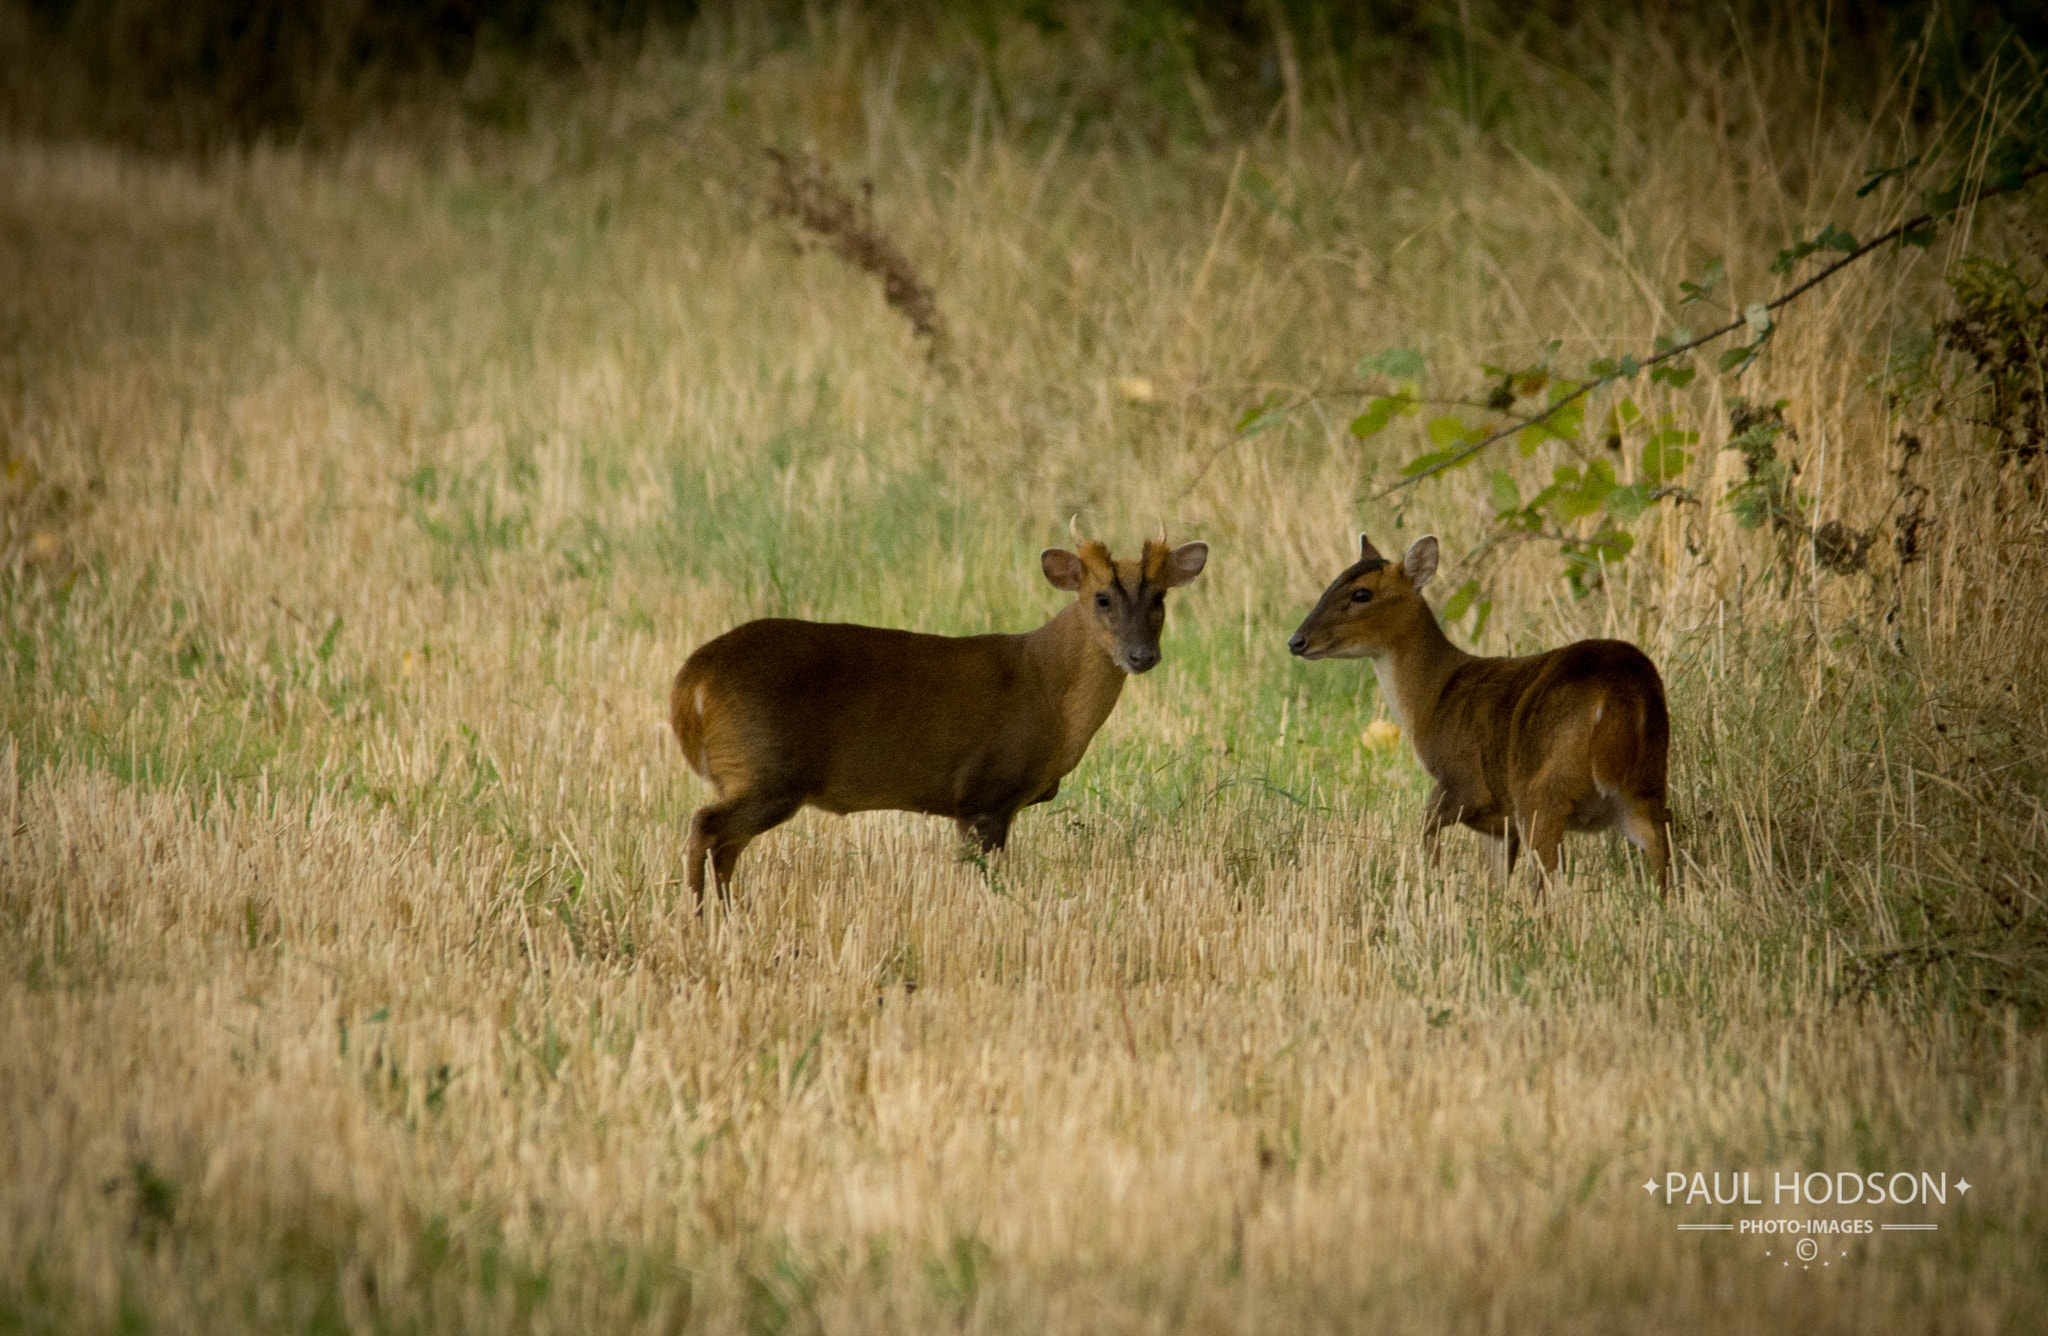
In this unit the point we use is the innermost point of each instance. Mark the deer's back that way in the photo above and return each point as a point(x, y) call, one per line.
point(1593, 703)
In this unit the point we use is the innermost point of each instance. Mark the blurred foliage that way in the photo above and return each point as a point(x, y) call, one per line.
point(1988, 363)
point(2003, 330)
point(199, 74)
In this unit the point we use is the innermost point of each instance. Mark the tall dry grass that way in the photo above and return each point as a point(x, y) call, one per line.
point(360, 505)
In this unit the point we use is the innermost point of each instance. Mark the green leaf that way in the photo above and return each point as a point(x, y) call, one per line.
point(1758, 317)
point(1625, 503)
point(1708, 282)
point(1614, 544)
point(1506, 496)
point(1750, 504)
point(1603, 367)
point(1830, 238)
point(1459, 603)
point(1584, 558)
point(1378, 413)
point(1568, 417)
point(1879, 175)
point(1923, 237)
point(1450, 429)
point(1424, 463)
point(1736, 357)
point(326, 650)
point(1577, 497)
point(1629, 366)
point(1664, 461)
point(1479, 622)
point(1672, 374)
point(1562, 425)
point(1944, 201)
point(1394, 363)
point(1266, 413)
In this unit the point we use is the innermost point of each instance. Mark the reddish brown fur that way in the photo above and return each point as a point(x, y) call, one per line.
point(1522, 749)
point(778, 714)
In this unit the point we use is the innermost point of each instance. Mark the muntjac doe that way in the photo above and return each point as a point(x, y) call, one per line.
point(1522, 749)
point(779, 713)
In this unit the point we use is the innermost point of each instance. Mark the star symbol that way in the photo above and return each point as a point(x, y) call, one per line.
point(1962, 1185)
point(1651, 1186)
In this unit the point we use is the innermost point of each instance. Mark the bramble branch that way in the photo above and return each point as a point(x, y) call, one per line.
point(1914, 226)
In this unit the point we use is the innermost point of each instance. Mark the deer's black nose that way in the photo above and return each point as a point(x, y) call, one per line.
point(1298, 642)
point(1143, 660)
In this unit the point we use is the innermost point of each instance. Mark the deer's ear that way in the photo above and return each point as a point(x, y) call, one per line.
point(1366, 551)
point(1185, 563)
point(1061, 567)
point(1420, 563)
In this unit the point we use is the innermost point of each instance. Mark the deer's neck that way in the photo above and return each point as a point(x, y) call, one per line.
point(1412, 673)
point(1083, 678)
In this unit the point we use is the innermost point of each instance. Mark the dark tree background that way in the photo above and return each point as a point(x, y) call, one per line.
point(180, 75)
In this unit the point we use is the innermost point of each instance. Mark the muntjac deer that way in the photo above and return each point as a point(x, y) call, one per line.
point(780, 713)
point(1521, 749)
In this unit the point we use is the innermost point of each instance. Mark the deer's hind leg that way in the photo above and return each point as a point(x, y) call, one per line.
point(722, 830)
point(1646, 821)
point(1503, 850)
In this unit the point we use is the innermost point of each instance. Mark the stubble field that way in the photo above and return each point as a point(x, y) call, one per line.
point(360, 504)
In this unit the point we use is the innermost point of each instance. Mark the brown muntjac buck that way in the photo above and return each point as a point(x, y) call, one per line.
point(1522, 749)
point(780, 713)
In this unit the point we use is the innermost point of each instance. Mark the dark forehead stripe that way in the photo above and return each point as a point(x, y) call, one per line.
point(1368, 567)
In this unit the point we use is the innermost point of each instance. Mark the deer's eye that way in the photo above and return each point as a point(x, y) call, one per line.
point(1102, 601)
point(1361, 596)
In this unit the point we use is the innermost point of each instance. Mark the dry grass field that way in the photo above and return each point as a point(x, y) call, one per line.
point(361, 501)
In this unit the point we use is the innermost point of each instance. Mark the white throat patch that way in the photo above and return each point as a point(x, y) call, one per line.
point(1383, 669)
